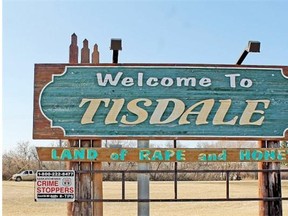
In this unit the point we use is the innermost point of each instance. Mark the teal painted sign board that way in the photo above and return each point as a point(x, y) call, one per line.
point(167, 102)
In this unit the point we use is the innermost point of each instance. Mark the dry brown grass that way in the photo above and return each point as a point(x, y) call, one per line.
point(18, 199)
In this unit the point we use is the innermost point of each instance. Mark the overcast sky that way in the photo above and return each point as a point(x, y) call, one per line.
point(151, 32)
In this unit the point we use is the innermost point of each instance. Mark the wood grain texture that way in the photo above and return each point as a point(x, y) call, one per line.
point(162, 154)
point(274, 183)
point(263, 184)
point(97, 183)
point(85, 191)
point(43, 75)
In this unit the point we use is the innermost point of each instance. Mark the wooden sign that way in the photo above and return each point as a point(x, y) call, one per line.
point(160, 102)
point(161, 155)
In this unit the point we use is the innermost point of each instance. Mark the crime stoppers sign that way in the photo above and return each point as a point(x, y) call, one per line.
point(55, 185)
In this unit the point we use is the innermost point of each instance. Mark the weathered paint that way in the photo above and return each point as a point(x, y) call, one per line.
point(42, 126)
point(77, 154)
point(162, 154)
point(258, 155)
point(167, 102)
point(213, 157)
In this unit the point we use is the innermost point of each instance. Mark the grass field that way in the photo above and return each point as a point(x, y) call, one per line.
point(18, 199)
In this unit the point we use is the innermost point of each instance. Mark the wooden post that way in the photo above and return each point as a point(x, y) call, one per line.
point(97, 183)
point(274, 182)
point(263, 183)
point(85, 52)
point(84, 190)
point(85, 184)
point(97, 177)
point(73, 59)
point(95, 55)
point(69, 204)
point(175, 173)
point(269, 184)
point(73, 50)
point(74, 208)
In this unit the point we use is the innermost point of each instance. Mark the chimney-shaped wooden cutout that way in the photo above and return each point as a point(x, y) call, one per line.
point(85, 52)
point(95, 55)
point(73, 50)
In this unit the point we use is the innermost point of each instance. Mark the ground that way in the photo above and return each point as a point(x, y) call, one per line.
point(18, 199)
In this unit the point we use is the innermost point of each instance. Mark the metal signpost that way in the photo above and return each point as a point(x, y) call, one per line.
point(143, 183)
point(55, 185)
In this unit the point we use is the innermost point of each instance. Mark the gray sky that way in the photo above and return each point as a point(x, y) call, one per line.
point(151, 32)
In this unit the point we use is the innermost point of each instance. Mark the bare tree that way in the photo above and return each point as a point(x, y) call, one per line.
point(23, 157)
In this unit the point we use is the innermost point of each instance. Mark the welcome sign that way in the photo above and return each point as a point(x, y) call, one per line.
point(165, 102)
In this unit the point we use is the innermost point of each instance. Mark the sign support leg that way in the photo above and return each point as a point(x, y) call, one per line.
point(85, 184)
point(69, 204)
point(143, 183)
point(175, 172)
point(274, 181)
point(269, 183)
point(97, 183)
point(74, 208)
point(263, 183)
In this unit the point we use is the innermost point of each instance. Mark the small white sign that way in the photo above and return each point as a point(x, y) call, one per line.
point(55, 185)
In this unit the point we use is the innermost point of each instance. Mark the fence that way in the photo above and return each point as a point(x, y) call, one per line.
point(176, 199)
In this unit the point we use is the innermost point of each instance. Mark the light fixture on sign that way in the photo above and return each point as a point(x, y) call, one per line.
point(116, 45)
point(253, 46)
